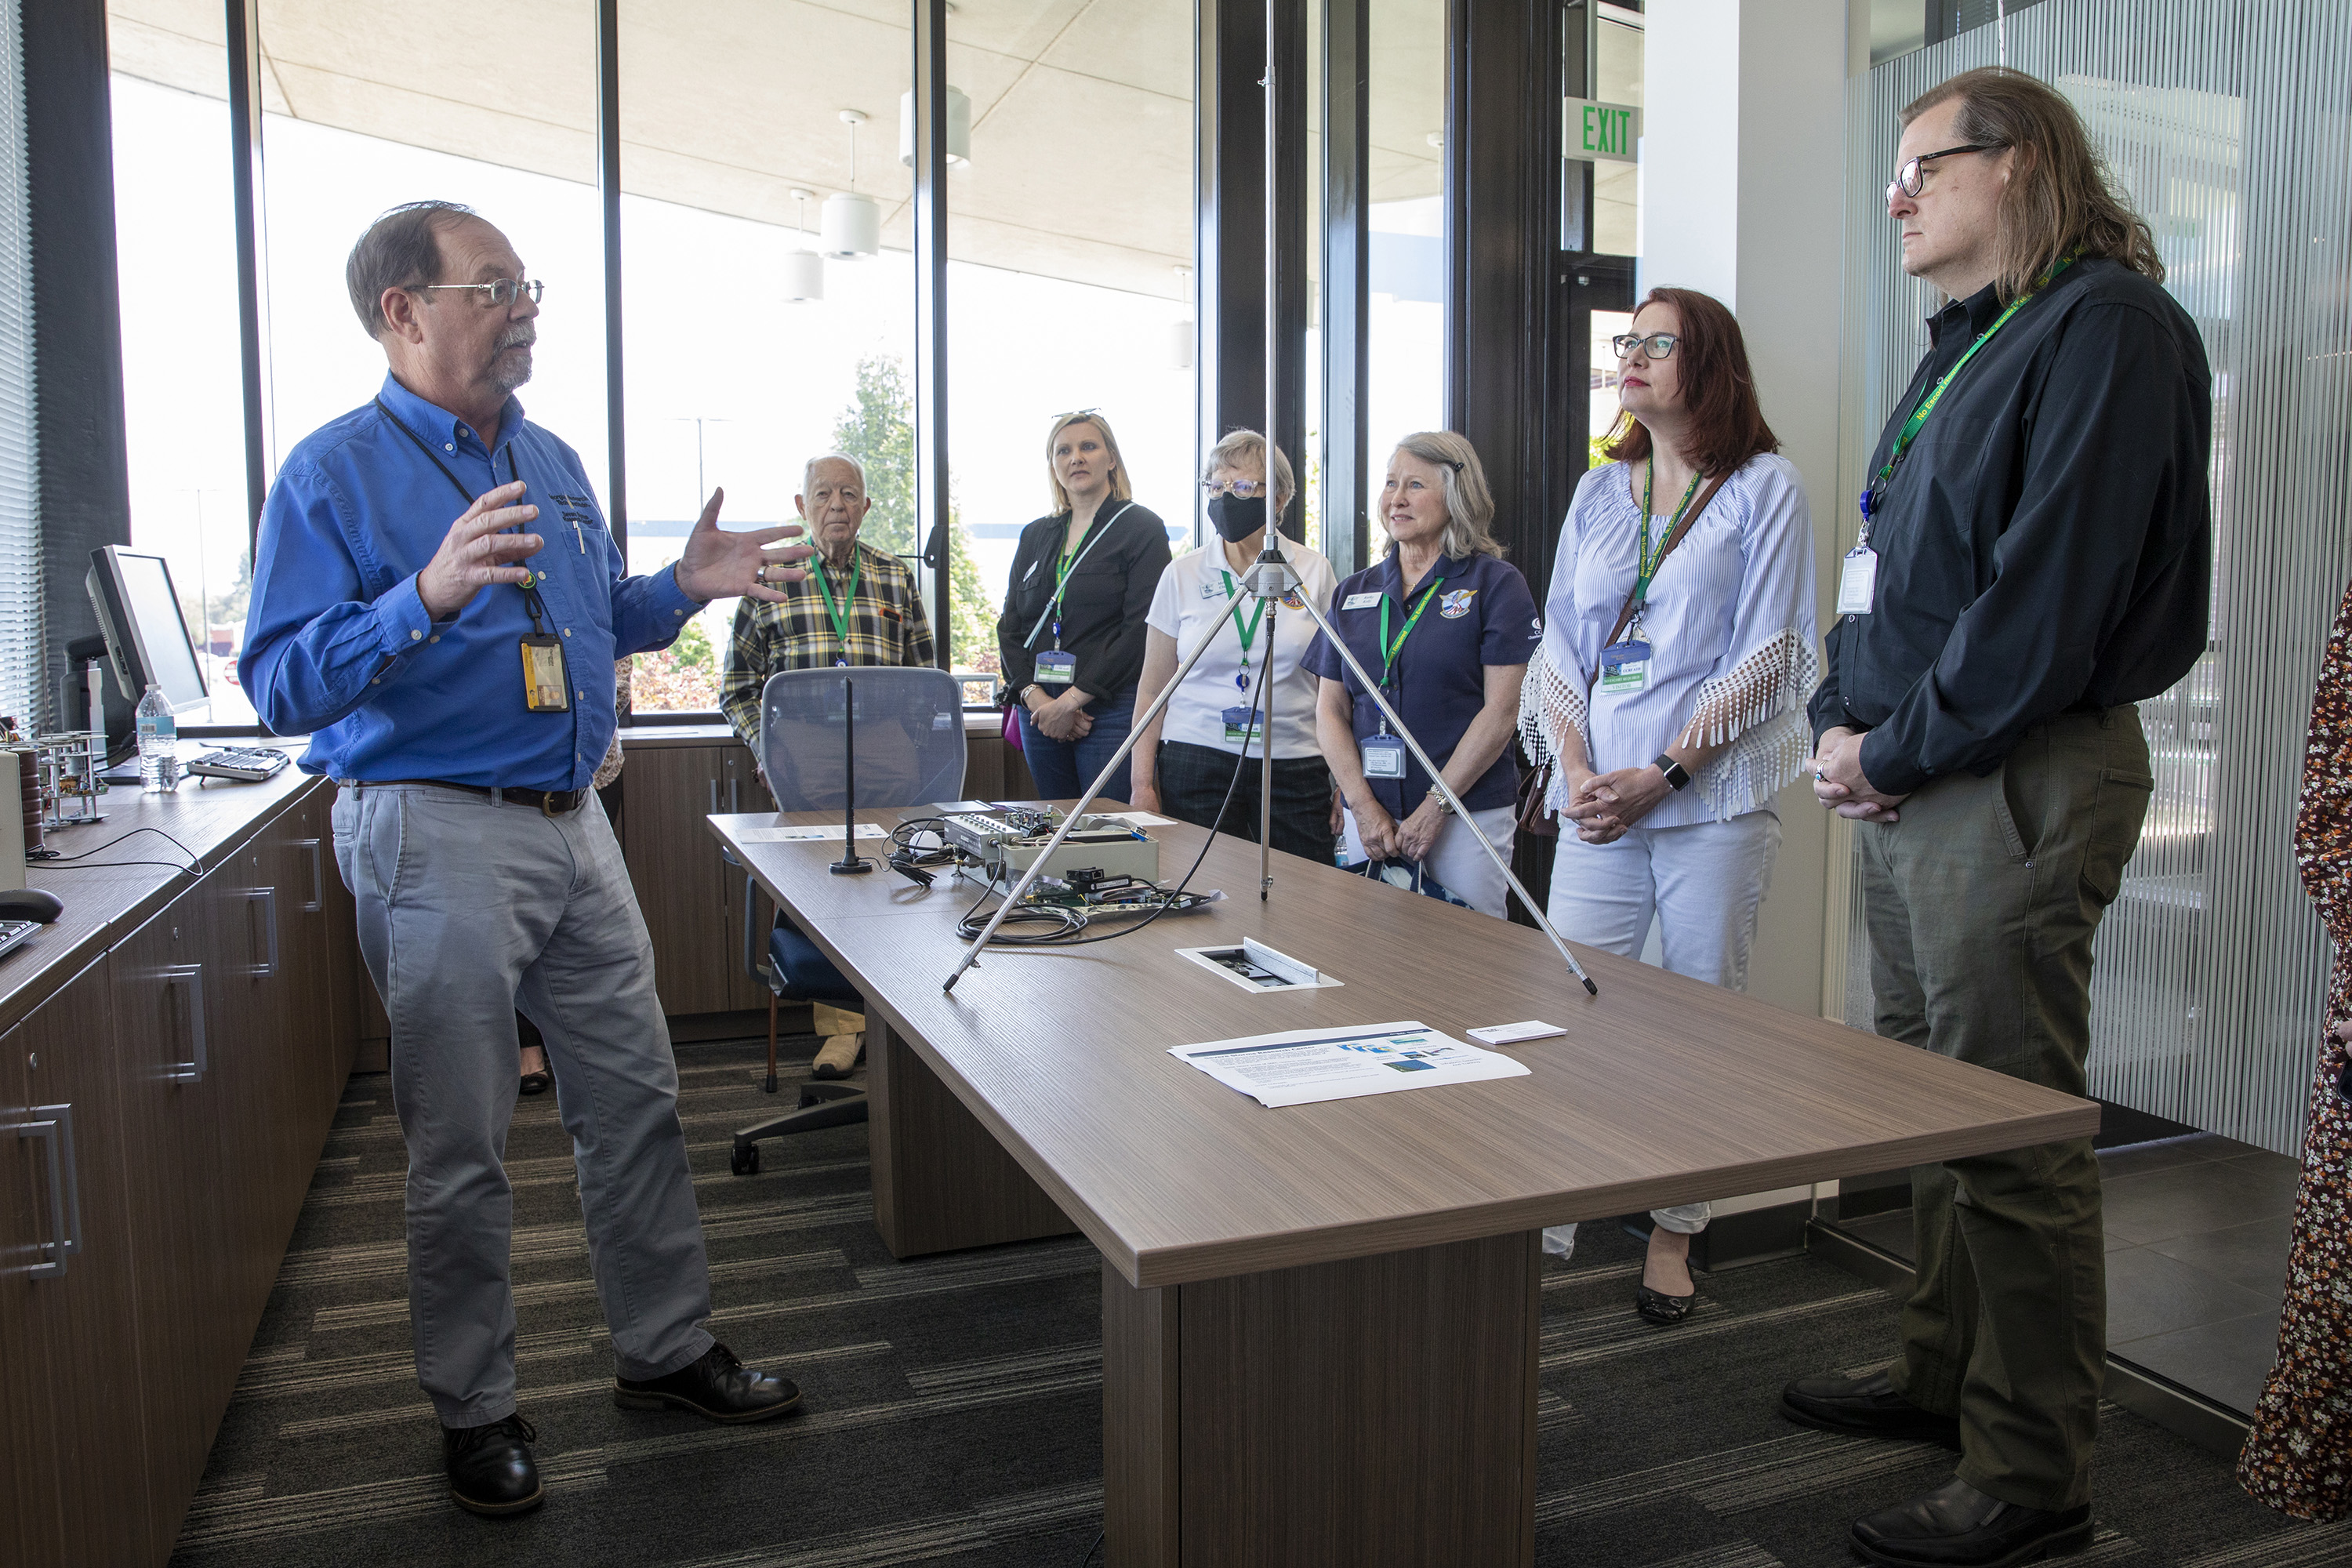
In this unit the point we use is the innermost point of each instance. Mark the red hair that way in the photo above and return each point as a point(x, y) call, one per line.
point(1719, 389)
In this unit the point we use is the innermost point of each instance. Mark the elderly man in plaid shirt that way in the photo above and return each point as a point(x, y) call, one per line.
point(857, 606)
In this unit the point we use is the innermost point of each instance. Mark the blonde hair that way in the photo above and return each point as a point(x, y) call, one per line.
point(1119, 489)
point(2060, 195)
point(1469, 501)
point(1248, 446)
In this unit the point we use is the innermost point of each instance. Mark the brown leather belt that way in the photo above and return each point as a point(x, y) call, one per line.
point(550, 802)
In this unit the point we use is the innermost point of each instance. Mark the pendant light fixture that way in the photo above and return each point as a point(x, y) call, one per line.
point(852, 223)
point(959, 127)
point(803, 267)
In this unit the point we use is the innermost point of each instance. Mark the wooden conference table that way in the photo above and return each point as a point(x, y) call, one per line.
point(1320, 1323)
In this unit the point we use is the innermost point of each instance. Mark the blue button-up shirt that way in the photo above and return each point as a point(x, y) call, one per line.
point(338, 645)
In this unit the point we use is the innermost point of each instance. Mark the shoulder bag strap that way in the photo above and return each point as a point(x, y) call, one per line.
point(1625, 612)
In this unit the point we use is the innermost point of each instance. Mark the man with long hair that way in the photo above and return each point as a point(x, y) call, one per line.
point(2032, 559)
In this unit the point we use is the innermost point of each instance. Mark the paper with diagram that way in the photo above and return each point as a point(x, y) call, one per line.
point(1302, 1066)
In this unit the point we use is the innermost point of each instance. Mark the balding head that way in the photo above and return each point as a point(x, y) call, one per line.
point(834, 502)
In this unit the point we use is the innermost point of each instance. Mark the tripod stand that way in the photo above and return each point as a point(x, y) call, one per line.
point(1268, 579)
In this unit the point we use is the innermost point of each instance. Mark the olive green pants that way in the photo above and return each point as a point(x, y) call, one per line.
point(1982, 901)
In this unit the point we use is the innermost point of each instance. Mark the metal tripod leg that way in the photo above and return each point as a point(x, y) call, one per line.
point(1437, 781)
point(1134, 732)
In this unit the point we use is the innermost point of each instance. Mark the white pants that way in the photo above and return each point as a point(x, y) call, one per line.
point(1457, 863)
point(1703, 883)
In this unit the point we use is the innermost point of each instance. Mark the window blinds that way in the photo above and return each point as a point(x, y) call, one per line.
point(2225, 122)
point(21, 618)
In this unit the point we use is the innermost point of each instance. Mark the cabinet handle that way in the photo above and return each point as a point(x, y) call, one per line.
point(267, 897)
point(734, 791)
point(55, 1128)
point(199, 1061)
point(714, 797)
point(318, 876)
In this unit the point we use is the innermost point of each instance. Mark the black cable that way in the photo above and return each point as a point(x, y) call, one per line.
point(51, 857)
point(969, 928)
point(1089, 1557)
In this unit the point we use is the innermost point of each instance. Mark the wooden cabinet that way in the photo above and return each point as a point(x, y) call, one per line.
point(71, 1280)
point(161, 1114)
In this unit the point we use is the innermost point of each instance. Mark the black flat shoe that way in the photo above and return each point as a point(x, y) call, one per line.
point(537, 1082)
point(1657, 1307)
point(1865, 1407)
point(1956, 1526)
point(492, 1467)
point(718, 1388)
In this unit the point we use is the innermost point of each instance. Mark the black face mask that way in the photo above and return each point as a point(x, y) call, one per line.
point(1237, 519)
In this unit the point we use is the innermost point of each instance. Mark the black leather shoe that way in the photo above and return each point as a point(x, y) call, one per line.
point(1956, 1526)
point(718, 1387)
point(1865, 1407)
point(492, 1467)
point(1657, 1307)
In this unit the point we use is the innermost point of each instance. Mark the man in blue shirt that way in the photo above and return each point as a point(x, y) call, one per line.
point(457, 679)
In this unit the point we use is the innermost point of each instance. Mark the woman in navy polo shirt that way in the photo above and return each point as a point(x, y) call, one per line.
point(1446, 626)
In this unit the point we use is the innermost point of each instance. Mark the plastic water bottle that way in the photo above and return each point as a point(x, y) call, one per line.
point(159, 743)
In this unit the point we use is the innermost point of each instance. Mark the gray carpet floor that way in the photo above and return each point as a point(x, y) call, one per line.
point(953, 1409)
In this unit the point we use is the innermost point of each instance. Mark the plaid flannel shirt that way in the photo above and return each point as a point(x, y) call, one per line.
point(886, 626)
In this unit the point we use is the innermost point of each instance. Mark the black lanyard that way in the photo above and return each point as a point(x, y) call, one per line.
point(530, 598)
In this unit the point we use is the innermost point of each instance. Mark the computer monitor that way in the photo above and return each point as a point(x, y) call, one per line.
point(146, 638)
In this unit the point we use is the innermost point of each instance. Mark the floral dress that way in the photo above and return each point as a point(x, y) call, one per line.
point(2298, 1458)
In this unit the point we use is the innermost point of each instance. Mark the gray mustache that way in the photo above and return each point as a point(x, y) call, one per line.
point(520, 336)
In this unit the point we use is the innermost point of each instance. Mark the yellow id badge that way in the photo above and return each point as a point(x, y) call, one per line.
point(546, 688)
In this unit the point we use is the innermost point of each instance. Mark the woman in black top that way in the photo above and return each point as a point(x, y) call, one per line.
point(1071, 637)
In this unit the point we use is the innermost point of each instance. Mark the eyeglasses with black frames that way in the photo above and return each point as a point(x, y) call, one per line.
point(1654, 345)
point(1912, 177)
point(497, 296)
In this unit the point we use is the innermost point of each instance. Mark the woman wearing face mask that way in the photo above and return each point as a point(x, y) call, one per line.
point(1071, 637)
point(1446, 626)
point(1185, 764)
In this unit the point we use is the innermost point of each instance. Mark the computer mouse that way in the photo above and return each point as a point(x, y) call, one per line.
point(35, 904)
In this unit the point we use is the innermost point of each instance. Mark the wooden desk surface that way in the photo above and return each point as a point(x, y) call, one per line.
point(1664, 1090)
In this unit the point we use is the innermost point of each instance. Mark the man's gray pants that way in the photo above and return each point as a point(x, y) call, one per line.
point(468, 911)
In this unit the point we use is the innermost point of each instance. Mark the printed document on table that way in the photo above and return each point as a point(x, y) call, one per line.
point(806, 834)
point(1301, 1066)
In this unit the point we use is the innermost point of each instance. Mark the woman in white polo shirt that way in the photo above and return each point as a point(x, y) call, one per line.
point(1191, 764)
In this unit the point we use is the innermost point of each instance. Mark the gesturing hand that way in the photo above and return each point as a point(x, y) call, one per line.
point(717, 564)
point(475, 555)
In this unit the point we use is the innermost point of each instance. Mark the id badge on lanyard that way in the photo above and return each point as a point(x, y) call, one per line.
point(1244, 724)
point(546, 687)
point(1055, 668)
point(1857, 581)
point(1625, 666)
point(1383, 756)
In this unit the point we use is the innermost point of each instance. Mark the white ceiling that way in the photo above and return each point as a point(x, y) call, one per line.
point(1081, 143)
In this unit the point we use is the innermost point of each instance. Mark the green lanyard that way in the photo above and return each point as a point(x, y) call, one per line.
point(1926, 405)
point(840, 612)
point(1390, 650)
point(1247, 632)
point(1648, 558)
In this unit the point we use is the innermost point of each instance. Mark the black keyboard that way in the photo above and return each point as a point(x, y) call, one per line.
point(252, 766)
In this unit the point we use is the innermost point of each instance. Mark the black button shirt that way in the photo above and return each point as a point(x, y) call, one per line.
point(1102, 612)
point(2046, 544)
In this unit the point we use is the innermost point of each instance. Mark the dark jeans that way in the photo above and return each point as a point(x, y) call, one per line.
point(1982, 901)
point(1193, 780)
point(1063, 769)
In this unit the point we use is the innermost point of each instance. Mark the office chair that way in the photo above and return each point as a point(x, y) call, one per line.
point(911, 752)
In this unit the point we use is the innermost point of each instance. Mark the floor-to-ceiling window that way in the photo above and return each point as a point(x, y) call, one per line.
point(1070, 245)
point(1405, 356)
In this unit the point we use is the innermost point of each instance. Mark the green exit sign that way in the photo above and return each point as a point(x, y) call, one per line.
point(1599, 133)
